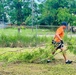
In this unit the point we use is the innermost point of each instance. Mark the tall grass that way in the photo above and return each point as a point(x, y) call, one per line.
point(19, 40)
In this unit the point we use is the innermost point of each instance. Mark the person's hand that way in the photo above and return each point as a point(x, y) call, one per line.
point(62, 42)
point(53, 42)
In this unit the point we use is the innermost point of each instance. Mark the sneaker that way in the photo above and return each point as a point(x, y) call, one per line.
point(68, 62)
point(48, 61)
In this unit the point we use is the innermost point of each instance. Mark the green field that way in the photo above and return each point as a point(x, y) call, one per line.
point(38, 69)
point(30, 32)
point(16, 51)
point(26, 31)
point(56, 67)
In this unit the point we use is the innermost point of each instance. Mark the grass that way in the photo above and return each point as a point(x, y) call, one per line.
point(9, 37)
point(21, 40)
point(24, 54)
point(27, 31)
point(56, 67)
point(37, 69)
point(30, 31)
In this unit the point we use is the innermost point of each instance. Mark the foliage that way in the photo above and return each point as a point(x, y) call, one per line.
point(20, 40)
point(58, 11)
point(61, 16)
point(17, 10)
point(71, 45)
point(40, 54)
point(35, 55)
point(49, 12)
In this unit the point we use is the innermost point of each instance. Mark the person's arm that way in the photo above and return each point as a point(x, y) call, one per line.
point(58, 36)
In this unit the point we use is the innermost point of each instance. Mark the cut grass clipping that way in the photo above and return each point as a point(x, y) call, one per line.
point(36, 55)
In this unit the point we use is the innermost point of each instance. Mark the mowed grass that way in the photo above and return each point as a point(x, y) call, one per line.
point(56, 67)
point(38, 69)
point(26, 31)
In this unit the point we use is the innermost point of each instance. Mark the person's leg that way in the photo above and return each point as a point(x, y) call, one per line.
point(54, 51)
point(52, 57)
point(64, 54)
point(57, 46)
point(65, 57)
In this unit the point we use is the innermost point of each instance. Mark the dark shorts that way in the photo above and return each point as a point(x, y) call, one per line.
point(57, 45)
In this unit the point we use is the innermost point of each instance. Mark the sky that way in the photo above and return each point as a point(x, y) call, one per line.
point(39, 1)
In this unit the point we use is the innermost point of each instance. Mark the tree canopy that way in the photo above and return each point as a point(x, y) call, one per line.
point(45, 12)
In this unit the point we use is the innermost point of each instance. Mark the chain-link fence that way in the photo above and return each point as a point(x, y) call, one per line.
point(39, 30)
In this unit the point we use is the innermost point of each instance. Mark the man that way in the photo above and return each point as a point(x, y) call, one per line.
point(58, 42)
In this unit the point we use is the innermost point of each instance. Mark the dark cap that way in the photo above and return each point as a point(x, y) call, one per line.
point(64, 23)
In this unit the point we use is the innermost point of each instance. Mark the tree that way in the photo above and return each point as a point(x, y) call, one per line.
point(18, 10)
point(63, 15)
point(2, 11)
point(47, 12)
point(57, 10)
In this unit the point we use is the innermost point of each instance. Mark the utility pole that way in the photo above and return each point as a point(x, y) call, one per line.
point(3, 12)
point(19, 15)
point(32, 14)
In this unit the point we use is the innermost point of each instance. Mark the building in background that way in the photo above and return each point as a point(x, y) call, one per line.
point(2, 24)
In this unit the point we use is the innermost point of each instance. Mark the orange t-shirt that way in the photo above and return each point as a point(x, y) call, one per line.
point(60, 32)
